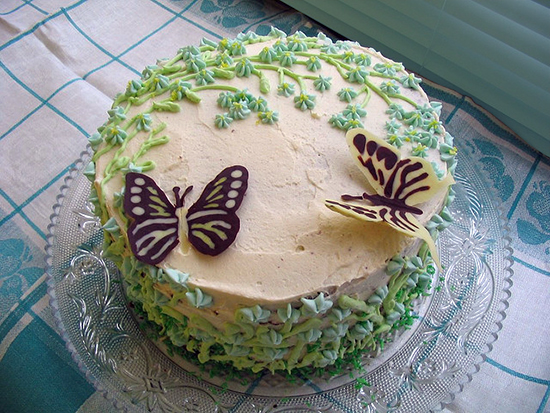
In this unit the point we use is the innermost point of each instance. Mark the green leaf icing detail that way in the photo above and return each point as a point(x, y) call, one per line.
point(253, 315)
point(318, 305)
point(95, 140)
point(198, 299)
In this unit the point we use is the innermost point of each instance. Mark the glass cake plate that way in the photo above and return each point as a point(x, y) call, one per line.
point(420, 369)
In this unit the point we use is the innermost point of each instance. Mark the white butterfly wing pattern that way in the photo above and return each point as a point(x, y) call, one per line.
point(153, 232)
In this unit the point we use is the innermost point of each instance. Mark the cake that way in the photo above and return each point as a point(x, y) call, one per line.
point(272, 201)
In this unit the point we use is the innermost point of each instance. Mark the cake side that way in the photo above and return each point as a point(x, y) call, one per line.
point(181, 124)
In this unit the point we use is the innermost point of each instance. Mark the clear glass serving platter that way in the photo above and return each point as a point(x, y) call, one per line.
point(421, 369)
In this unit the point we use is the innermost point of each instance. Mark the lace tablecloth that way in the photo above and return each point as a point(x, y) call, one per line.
point(62, 62)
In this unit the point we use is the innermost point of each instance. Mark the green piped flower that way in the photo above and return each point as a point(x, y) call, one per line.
point(304, 101)
point(115, 135)
point(362, 59)
point(322, 83)
point(357, 75)
point(149, 71)
point(270, 338)
point(287, 59)
point(244, 68)
point(198, 299)
point(327, 357)
point(276, 33)
point(392, 126)
point(361, 330)
point(338, 314)
point(348, 56)
point(420, 150)
point(116, 114)
point(410, 81)
point(223, 121)
point(388, 68)
point(310, 336)
point(313, 63)
point(285, 89)
point(258, 104)
point(378, 296)
point(239, 110)
point(179, 90)
point(448, 153)
point(244, 95)
point(195, 64)
point(236, 48)
point(176, 279)
point(429, 140)
point(224, 60)
point(269, 117)
point(288, 314)
point(143, 122)
point(396, 140)
point(111, 226)
point(204, 77)
point(95, 140)
point(354, 112)
point(338, 120)
point(318, 305)
point(89, 171)
point(253, 315)
point(133, 87)
point(268, 55)
point(225, 99)
point(188, 52)
point(440, 173)
point(335, 332)
point(389, 87)
point(352, 124)
point(347, 94)
point(434, 126)
point(396, 111)
point(414, 119)
point(296, 44)
point(279, 46)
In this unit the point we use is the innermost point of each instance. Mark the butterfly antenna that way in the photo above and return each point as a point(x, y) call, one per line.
point(180, 200)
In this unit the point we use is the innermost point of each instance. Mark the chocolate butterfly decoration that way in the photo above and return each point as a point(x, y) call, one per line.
point(212, 222)
point(399, 183)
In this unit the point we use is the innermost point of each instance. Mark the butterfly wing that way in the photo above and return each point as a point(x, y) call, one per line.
point(153, 232)
point(404, 222)
point(409, 180)
point(212, 221)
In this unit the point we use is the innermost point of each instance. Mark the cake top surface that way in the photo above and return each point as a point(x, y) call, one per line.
point(279, 106)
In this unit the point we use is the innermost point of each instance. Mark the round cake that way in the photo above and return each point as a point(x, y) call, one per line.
point(272, 201)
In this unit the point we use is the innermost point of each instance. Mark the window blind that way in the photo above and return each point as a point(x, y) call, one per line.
point(495, 51)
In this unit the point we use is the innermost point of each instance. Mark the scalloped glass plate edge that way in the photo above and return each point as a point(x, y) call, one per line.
point(417, 370)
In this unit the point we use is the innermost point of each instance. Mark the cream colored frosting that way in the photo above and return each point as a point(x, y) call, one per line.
point(289, 244)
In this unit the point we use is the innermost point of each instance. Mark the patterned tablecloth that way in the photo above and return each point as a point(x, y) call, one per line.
point(61, 63)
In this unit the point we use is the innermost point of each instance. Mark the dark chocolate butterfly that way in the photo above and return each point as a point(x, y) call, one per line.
point(399, 183)
point(212, 222)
